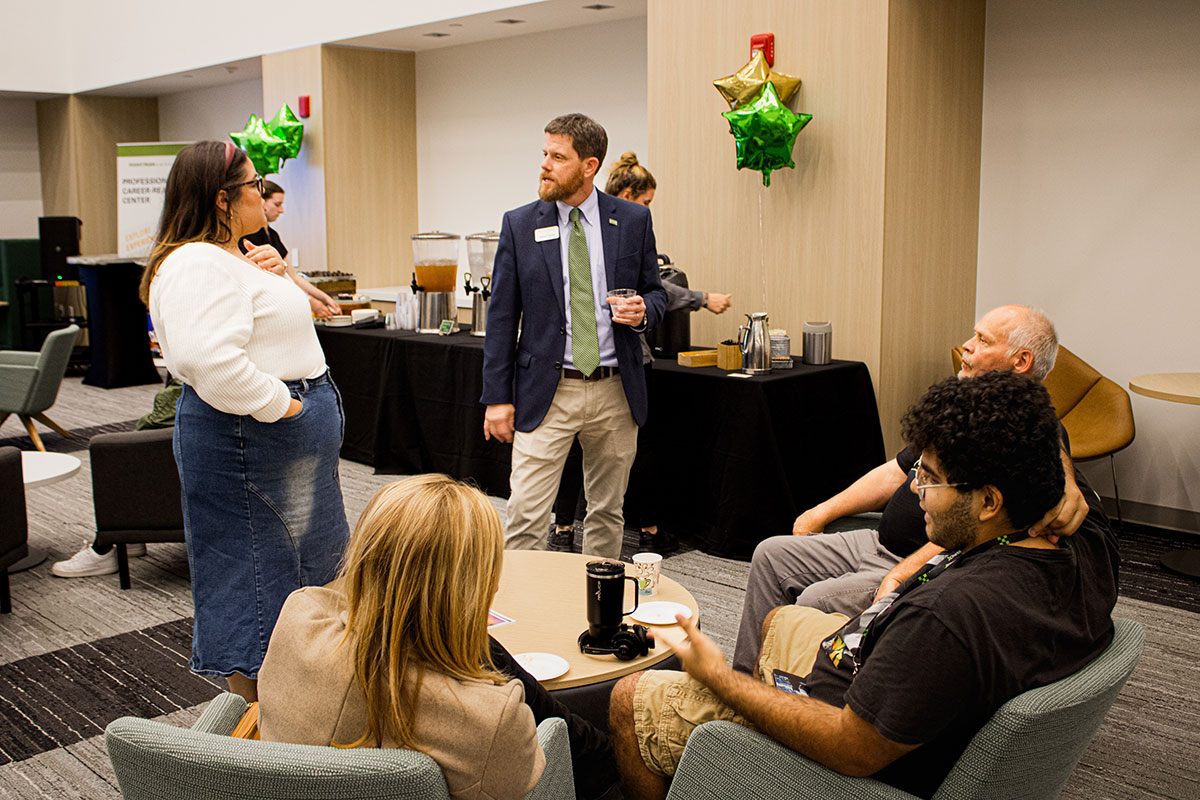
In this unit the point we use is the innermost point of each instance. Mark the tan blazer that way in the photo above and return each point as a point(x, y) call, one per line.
point(481, 735)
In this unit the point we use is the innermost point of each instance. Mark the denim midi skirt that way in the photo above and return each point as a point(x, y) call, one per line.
point(262, 514)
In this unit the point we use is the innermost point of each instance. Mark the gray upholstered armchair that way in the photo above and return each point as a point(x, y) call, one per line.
point(157, 761)
point(29, 381)
point(1028, 749)
point(135, 491)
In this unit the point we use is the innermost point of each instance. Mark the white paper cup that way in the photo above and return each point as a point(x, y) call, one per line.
point(647, 567)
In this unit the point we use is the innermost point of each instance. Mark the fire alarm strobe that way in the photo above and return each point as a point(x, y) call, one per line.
point(766, 43)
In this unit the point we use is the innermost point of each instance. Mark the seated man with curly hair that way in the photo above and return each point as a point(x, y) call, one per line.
point(899, 691)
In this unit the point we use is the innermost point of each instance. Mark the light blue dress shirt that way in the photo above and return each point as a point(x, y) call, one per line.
point(589, 212)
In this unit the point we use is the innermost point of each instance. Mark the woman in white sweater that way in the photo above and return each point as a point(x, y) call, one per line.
point(259, 425)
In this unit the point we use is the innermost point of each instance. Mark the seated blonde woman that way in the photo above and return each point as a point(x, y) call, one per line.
point(389, 655)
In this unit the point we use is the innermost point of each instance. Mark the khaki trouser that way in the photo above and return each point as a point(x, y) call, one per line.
point(668, 705)
point(598, 413)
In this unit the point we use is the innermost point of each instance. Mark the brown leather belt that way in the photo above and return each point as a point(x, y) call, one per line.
point(601, 372)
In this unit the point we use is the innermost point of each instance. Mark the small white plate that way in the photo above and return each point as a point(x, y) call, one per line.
point(660, 612)
point(338, 321)
point(543, 666)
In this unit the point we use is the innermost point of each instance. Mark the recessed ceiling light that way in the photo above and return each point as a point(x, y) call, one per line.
point(509, 21)
point(597, 7)
point(436, 34)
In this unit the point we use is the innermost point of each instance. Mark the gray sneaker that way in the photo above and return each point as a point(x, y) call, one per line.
point(87, 562)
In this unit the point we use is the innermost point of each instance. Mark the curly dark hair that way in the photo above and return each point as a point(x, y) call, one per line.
point(996, 429)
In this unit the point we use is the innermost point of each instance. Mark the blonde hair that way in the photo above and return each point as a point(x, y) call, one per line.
point(421, 570)
point(627, 173)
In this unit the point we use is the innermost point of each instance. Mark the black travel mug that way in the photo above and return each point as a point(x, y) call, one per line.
point(605, 598)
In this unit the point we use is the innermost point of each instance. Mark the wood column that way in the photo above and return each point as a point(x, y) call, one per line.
point(876, 227)
point(77, 149)
point(352, 193)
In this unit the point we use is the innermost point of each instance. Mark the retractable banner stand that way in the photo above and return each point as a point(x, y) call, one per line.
point(142, 170)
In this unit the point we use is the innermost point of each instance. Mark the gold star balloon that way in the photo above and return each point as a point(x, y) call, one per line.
point(744, 85)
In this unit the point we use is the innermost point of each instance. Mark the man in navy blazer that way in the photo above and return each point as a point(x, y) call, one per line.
point(561, 358)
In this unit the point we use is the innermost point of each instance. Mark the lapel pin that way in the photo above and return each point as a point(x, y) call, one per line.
point(612, 221)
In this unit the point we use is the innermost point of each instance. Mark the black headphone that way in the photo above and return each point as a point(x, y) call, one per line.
point(626, 644)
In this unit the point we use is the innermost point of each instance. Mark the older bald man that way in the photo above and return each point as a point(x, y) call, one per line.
point(842, 572)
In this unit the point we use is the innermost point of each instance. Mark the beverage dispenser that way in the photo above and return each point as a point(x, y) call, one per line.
point(435, 257)
point(481, 254)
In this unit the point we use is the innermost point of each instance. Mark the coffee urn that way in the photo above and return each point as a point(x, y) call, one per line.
point(435, 257)
point(481, 254)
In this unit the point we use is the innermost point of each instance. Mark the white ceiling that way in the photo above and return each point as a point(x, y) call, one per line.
point(533, 18)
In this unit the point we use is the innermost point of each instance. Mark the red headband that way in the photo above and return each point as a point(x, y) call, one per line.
point(229, 150)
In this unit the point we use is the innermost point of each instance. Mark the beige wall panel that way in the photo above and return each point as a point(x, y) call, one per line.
point(77, 139)
point(810, 246)
point(286, 76)
point(98, 125)
point(931, 200)
point(370, 162)
point(60, 195)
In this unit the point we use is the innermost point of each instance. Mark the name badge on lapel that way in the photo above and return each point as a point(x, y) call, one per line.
point(545, 234)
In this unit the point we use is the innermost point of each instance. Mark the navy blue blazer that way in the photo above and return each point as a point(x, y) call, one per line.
point(527, 290)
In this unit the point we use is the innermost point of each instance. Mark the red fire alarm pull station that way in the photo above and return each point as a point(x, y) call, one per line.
point(759, 41)
point(302, 104)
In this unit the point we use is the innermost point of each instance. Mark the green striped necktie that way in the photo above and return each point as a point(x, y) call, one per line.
point(585, 345)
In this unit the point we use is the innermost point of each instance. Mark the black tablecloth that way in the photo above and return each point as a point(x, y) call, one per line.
point(740, 457)
point(745, 456)
point(117, 326)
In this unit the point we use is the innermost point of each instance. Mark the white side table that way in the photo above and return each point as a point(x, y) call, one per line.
point(42, 469)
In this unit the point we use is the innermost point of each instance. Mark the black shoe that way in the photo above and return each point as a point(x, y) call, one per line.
point(562, 541)
point(662, 542)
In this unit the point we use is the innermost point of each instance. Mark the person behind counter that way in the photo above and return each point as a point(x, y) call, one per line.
point(630, 181)
point(394, 653)
point(259, 424)
point(322, 305)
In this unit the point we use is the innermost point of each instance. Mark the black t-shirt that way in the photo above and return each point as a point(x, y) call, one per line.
point(952, 651)
point(263, 236)
point(902, 525)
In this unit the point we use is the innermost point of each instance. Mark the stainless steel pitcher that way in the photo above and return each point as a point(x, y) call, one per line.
point(755, 342)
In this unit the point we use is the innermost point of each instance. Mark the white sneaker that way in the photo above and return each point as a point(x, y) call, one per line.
point(87, 562)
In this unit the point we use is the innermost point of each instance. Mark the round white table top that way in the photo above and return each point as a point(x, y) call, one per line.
point(43, 468)
point(1176, 387)
point(545, 593)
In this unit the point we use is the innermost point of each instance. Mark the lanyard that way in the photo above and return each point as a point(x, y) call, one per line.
point(852, 642)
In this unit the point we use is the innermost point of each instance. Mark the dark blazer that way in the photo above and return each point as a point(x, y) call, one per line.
point(527, 280)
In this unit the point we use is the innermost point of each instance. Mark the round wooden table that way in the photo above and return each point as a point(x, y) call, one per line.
point(544, 592)
point(1174, 387)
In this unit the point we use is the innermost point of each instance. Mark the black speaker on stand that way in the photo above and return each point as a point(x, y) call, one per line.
point(59, 237)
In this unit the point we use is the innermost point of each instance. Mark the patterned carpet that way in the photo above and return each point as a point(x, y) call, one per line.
point(75, 654)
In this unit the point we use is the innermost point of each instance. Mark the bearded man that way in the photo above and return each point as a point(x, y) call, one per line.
point(561, 357)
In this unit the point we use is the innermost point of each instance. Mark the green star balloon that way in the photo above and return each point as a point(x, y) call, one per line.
point(288, 127)
point(263, 147)
point(765, 132)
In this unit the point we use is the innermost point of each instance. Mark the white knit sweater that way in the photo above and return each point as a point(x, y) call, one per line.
point(232, 331)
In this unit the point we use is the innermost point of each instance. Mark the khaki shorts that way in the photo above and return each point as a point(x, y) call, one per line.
point(667, 705)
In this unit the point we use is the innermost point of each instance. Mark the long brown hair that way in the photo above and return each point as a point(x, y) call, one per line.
point(421, 570)
point(190, 212)
point(627, 173)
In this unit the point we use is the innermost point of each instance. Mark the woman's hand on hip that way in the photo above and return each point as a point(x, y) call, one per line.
point(294, 407)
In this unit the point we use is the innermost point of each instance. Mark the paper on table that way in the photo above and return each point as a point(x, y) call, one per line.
point(496, 619)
